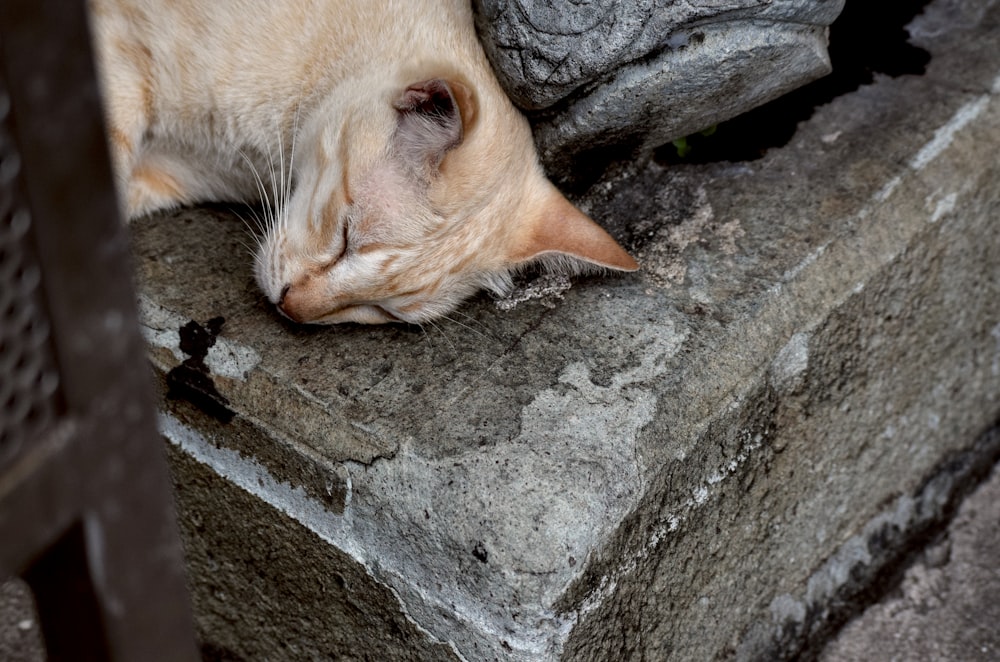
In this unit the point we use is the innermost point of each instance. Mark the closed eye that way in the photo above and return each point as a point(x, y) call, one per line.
point(343, 243)
point(337, 258)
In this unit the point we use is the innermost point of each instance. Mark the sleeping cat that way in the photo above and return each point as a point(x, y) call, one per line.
point(400, 177)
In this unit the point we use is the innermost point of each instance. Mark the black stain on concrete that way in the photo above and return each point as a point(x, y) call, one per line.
point(479, 551)
point(192, 380)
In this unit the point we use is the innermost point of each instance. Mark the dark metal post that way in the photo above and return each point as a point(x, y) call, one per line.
point(85, 508)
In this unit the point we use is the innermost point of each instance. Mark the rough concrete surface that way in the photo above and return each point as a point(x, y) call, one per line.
point(711, 458)
point(651, 71)
point(20, 637)
point(947, 606)
point(715, 457)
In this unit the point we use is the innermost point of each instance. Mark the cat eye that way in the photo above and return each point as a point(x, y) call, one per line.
point(343, 242)
point(329, 264)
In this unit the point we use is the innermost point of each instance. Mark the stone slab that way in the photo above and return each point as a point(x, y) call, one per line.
point(604, 73)
point(691, 462)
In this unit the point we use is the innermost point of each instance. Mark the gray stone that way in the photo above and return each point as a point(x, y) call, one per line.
point(946, 605)
point(20, 632)
point(695, 461)
point(647, 72)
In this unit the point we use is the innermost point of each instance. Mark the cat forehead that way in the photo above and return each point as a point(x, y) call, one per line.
point(386, 192)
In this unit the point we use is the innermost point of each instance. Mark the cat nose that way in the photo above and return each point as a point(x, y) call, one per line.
point(281, 304)
point(305, 300)
point(281, 297)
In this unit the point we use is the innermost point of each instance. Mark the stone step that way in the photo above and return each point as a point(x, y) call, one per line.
point(713, 457)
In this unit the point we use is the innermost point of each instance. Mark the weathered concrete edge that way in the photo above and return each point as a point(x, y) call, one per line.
point(583, 604)
point(295, 480)
point(240, 367)
point(869, 564)
point(941, 140)
point(254, 478)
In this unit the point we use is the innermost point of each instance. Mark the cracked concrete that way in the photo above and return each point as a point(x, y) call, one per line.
point(652, 466)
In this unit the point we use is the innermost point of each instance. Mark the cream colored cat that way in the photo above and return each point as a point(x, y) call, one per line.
point(401, 177)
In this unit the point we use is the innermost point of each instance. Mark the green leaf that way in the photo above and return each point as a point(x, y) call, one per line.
point(682, 147)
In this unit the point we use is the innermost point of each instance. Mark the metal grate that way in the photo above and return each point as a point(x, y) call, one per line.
point(28, 376)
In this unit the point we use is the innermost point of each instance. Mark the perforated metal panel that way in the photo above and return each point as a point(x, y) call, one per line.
point(28, 377)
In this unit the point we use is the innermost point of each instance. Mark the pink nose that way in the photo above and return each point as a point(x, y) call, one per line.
point(284, 308)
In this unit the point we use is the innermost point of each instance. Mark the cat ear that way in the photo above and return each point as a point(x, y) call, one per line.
point(557, 228)
point(432, 118)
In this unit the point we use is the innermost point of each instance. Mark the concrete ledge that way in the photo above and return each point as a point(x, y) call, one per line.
point(689, 463)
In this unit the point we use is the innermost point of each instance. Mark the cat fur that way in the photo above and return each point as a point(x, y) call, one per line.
point(398, 176)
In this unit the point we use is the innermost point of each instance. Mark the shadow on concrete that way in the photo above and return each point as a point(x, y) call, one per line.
point(865, 40)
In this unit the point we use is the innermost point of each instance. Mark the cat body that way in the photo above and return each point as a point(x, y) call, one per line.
point(399, 176)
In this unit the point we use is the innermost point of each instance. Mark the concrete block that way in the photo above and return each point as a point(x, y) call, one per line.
point(709, 458)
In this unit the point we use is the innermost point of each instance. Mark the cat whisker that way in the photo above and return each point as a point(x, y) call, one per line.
point(443, 334)
point(473, 320)
point(467, 327)
point(250, 228)
point(251, 250)
point(279, 184)
point(291, 157)
point(261, 189)
point(278, 189)
point(423, 331)
point(253, 227)
point(261, 223)
point(255, 234)
point(272, 206)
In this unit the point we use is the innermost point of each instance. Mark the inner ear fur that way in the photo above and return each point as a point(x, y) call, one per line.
point(434, 116)
point(556, 228)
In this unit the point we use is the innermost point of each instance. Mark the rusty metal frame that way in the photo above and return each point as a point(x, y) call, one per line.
point(86, 515)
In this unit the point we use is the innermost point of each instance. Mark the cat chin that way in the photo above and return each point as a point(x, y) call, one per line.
point(365, 314)
point(357, 314)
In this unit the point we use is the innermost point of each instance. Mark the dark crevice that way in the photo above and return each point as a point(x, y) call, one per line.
point(867, 38)
point(212, 652)
point(893, 551)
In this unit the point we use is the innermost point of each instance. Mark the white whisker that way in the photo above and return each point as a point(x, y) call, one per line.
point(251, 230)
point(468, 327)
point(251, 250)
point(279, 185)
point(261, 189)
point(473, 320)
point(274, 188)
point(291, 158)
point(443, 334)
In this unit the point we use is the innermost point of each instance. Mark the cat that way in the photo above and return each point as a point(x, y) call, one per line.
point(400, 176)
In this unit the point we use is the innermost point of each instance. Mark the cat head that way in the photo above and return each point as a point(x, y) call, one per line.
point(402, 210)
